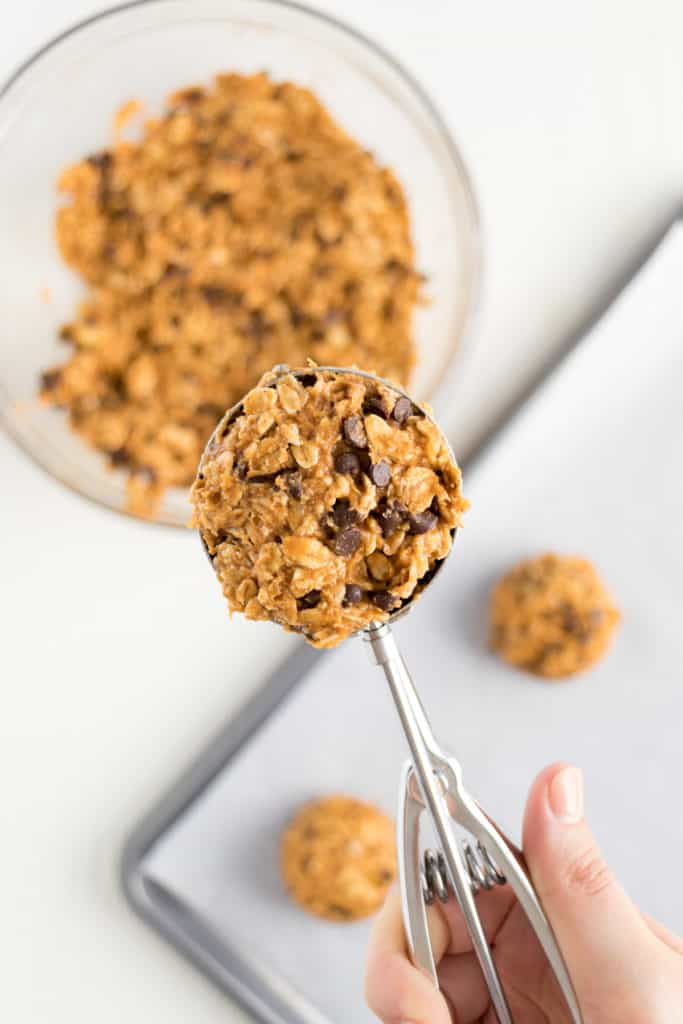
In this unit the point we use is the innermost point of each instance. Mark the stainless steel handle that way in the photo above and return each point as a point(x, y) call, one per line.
point(432, 782)
point(426, 758)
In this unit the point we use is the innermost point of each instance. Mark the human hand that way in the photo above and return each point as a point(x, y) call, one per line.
point(626, 968)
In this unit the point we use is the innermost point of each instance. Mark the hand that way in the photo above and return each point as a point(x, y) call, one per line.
point(626, 968)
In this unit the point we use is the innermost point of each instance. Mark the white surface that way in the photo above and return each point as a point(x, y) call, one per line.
point(579, 479)
point(115, 648)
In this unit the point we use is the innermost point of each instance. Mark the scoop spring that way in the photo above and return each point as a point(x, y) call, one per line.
point(480, 867)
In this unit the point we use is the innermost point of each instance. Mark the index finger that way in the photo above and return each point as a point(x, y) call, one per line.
point(394, 989)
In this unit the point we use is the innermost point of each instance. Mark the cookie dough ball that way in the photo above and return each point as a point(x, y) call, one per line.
point(326, 503)
point(338, 858)
point(552, 616)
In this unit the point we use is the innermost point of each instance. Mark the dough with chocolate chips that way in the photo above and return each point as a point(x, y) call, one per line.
point(338, 858)
point(552, 616)
point(326, 503)
point(244, 228)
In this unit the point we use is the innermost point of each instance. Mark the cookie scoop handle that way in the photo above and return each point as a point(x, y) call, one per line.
point(426, 760)
point(432, 783)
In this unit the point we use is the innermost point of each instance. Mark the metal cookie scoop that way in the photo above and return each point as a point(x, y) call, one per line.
point(431, 783)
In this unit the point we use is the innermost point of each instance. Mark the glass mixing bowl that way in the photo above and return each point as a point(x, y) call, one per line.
point(59, 106)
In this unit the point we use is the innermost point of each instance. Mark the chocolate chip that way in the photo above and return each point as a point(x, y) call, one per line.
point(119, 457)
point(380, 473)
point(421, 522)
point(333, 316)
point(352, 593)
point(383, 599)
point(390, 517)
point(233, 157)
point(214, 294)
point(217, 199)
point(241, 470)
point(374, 406)
point(262, 478)
point(338, 911)
point(257, 327)
point(102, 161)
point(309, 600)
point(191, 95)
point(346, 542)
point(402, 410)
point(388, 309)
point(343, 514)
point(210, 409)
point(571, 623)
point(294, 485)
point(347, 462)
point(568, 617)
point(118, 387)
point(536, 664)
point(50, 379)
point(174, 270)
point(299, 222)
point(354, 432)
point(296, 317)
point(307, 379)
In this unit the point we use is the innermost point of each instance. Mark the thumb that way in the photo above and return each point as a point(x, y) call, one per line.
point(599, 930)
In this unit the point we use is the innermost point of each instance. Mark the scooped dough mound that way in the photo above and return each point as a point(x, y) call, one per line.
point(338, 858)
point(326, 502)
point(551, 615)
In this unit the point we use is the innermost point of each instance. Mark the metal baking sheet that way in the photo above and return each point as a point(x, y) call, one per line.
point(590, 465)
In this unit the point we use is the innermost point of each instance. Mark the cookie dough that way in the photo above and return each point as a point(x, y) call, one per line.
point(338, 858)
point(326, 503)
point(245, 228)
point(552, 616)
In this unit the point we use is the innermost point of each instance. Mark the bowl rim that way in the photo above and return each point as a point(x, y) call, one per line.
point(473, 283)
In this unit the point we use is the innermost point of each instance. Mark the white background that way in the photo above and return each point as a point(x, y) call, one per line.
point(570, 119)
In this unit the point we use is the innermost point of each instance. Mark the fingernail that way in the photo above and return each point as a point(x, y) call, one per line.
point(565, 795)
